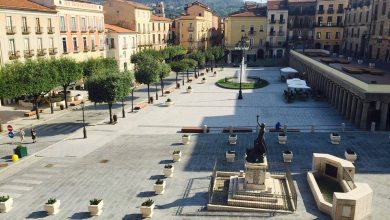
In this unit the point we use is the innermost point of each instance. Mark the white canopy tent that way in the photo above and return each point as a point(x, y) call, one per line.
point(297, 84)
point(288, 70)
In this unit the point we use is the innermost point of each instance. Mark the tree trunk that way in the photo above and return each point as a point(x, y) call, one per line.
point(183, 78)
point(65, 90)
point(36, 106)
point(177, 75)
point(148, 93)
point(188, 78)
point(110, 110)
point(156, 91)
point(162, 86)
point(51, 104)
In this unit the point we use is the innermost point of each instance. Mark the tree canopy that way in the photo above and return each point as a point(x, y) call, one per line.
point(98, 65)
point(198, 56)
point(171, 53)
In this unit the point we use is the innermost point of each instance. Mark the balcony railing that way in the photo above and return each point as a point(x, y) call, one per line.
point(53, 51)
point(100, 30)
point(340, 11)
point(50, 30)
point(13, 55)
point(73, 30)
point(281, 33)
point(272, 21)
point(272, 33)
point(320, 12)
point(190, 39)
point(124, 46)
point(111, 47)
point(83, 30)
point(93, 49)
point(28, 53)
point(329, 24)
point(63, 29)
point(91, 29)
point(330, 11)
point(101, 48)
point(282, 21)
point(11, 30)
point(26, 30)
point(41, 52)
point(86, 49)
point(75, 49)
point(251, 32)
point(38, 30)
point(190, 29)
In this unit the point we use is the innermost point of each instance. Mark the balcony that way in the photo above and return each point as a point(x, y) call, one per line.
point(190, 29)
point(124, 46)
point(93, 49)
point(73, 30)
point(272, 33)
point(86, 49)
point(190, 39)
point(251, 33)
point(26, 30)
point(320, 12)
point(272, 21)
point(100, 30)
point(330, 11)
point(53, 51)
point(83, 30)
point(13, 55)
point(101, 48)
point(63, 29)
point(38, 30)
point(91, 29)
point(28, 53)
point(50, 30)
point(11, 30)
point(75, 49)
point(282, 21)
point(41, 52)
point(111, 47)
point(281, 33)
point(340, 11)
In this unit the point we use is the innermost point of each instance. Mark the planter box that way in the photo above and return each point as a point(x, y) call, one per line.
point(230, 157)
point(282, 139)
point(350, 157)
point(189, 90)
point(203, 81)
point(52, 209)
point(360, 61)
point(147, 211)
point(335, 139)
point(7, 205)
point(159, 188)
point(78, 98)
point(96, 209)
point(168, 172)
point(69, 98)
point(287, 157)
point(232, 139)
point(176, 157)
point(186, 140)
point(168, 104)
point(371, 65)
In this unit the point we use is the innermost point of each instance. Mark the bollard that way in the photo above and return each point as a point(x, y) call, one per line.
point(241, 173)
point(372, 126)
point(312, 129)
point(342, 127)
point(204, 128)
point(15, 157)
point(230, 129)
point(285, 128)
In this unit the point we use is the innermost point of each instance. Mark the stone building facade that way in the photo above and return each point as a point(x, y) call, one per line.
point(277, 14)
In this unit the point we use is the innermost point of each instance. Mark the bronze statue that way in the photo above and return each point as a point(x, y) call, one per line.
point(257, 153)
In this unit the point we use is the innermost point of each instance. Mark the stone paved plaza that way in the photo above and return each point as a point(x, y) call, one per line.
point(119, 163)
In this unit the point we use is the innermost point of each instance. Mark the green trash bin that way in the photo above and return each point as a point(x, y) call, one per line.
point(20, 151)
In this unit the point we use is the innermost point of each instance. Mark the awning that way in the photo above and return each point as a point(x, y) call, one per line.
point(297, 84)
point(288, 70)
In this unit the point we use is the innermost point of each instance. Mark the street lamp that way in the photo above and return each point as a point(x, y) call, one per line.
point(84, 129)
point(242, 45)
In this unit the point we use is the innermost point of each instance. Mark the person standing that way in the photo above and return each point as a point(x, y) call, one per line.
point(33, 135)
point(21, 134)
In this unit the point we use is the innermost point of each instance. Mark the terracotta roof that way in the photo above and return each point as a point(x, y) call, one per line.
point(136, 4)
point(190, 17)
point(25, 5)
point(158, 18)
point(118, 29)
point(276, 5)
point(252, 12)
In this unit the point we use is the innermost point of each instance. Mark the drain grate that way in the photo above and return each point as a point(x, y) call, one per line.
point(49, 165)
point(104, 161)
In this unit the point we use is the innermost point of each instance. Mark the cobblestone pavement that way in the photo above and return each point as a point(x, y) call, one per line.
point(120, 163)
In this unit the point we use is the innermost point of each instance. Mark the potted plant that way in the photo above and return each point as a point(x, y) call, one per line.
point(215, 73)
point(287, 156)
point(350, 155)
point(203, 80)
point(232, 139)
point(168, 170)
point(95, 206)
point(176, 156)
point(230, 156)
point(335, 138)
point(147, 208)
point(52, 206)
point(159, 187)
point(282, 138)
point(6, 203)
point(189, 89)
point(185, 139)
point(168, 102)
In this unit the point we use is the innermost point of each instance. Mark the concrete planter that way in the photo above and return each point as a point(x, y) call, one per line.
point(189, 90)
point(203, 81)
point(282, 139)
point(96, 210)
point(147, 211)
point(186, 139)
point(52, 209)
point(167, 104)
point(168, 172)
point(7, 205)
point(230, 156)
point(233, 139)
point(159, 188)
point(176, 157)
point(78, 98)
point(350, 157)
point(371, 65)
point(335, 139)
point(287, 158)
point(360, 62)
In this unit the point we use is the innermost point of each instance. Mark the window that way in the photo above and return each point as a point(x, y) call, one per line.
point(12, 46)
point(9, 22)
point(101, 41)
point(384, 8)
point(112, 43)
point(337, 35)
point(251, 42)
point(320, 8)
point(85, 43)
point(83, 24)
point(360, 16)
point(358, 32)
point(100, 24)
point(51, 42)
point(75, 48)
point(73, 24)
point(62, 23)
point(91, 22)
point(352, 32)
point(381, 28)
point(329, 21)
point(139, 28)
point(40, 44)
point(242, 28)
point(38, 25)
point(64, 47)
point(93, 45)
point(27, 44)
point(354, 17)
point(367, 16)
point(327, 36)
point(261, 28)
point(49, 23)
point(378, 52)
point(24, 23)
point(319, 21)
point(318, 35)
point(252, 29)
point(373, 29)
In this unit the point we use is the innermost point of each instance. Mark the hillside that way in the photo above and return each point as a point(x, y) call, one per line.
point(175, 7)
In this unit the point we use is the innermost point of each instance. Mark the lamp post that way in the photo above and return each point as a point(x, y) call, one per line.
point(242, 45)
point(84, 129)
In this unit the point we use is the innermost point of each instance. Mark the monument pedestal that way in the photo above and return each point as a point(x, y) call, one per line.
point(256, 176)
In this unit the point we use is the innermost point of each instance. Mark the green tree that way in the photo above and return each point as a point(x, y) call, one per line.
point(164, 71)
point(199, 57)
point(191, 64)
point(109, 88)
point(98, 65)
point(147, 72)
point(172, 53)
point(209, 56)
point(178, 67)
point(67, 72)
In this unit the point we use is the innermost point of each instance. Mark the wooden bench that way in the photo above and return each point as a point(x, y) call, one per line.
point(31, 113)
point(238, 130)
point(281, 130)
point(193, 130)
point(140, 106)
point(75, 103)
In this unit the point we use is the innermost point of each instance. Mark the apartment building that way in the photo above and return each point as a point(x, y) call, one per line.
point(81, 27)
point(379, 40)
point(27, 31)
point(122, 43)
point(250, 25)
point(198, 28)
point(329, 25)
point(277, 14)
point(138, 17)
point(301, 20)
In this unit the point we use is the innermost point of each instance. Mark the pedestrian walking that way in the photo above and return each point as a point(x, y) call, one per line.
point(21, 134)
point(33, 135)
